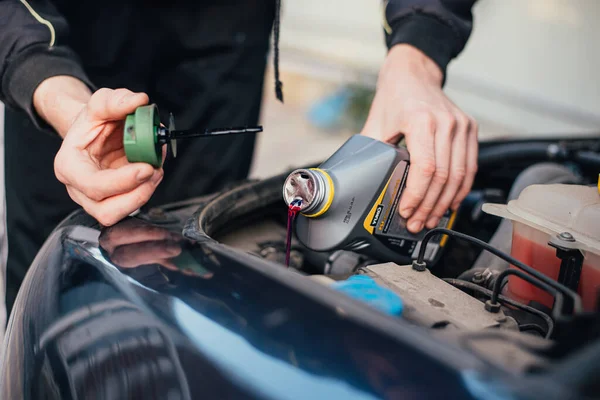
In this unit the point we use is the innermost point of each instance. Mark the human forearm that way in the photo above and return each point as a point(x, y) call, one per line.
point(439, 28)
point(410, 104)
point(407, 59)
point(33, 49)
point(59, 99)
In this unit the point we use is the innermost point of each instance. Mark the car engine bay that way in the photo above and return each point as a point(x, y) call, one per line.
point(462, 296)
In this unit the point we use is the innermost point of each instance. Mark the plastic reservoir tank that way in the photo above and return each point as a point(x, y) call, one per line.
point(540, 214)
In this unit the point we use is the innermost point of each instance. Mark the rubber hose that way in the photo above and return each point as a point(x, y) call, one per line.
point(499, 154)
point(257, 197)
point(588, 158)
point(244, 200)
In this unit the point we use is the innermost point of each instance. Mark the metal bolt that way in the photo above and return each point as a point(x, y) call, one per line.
point(566, 236)
point(501, 318)
point(478, 278)
point(492, 307)
point(417, 266)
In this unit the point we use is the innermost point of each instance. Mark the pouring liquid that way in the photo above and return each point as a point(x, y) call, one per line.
point(293, 209)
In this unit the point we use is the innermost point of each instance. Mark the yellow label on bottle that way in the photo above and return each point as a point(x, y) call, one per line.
point(371, 216)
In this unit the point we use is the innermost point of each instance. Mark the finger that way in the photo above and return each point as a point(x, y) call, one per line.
point(458, 162)
point(111, 210)
point(445, 125)
point(115, 208)
point(98, 184)
point(472, 154)
point(133, 255)
point(114, 105)
point(420, 144)
point(164, 155)
point(104, 107)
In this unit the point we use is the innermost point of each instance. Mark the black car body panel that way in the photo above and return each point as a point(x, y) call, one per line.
point(245, 328)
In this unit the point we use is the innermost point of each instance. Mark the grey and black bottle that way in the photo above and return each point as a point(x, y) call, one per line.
point(351, 202)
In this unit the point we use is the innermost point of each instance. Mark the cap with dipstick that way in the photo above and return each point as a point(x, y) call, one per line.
point(144, 135)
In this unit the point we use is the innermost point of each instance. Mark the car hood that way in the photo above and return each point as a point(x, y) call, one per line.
point(143, 309)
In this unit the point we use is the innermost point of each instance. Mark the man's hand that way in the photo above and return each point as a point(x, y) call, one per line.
point(441, 139)
point(91, 161)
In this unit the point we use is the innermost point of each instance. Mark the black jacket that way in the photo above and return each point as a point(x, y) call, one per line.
point(44, 38)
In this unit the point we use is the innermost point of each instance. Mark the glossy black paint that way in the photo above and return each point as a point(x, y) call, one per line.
point(138, 311)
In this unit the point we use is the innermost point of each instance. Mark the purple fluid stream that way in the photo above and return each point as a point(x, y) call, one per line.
point(293, 209)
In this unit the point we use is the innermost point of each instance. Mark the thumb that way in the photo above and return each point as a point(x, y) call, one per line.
point(114, 105)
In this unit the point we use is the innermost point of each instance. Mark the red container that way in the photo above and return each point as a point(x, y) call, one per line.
point(541, 212)
point(530, 247)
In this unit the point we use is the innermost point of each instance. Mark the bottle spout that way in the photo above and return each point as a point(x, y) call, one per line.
point(306, 188)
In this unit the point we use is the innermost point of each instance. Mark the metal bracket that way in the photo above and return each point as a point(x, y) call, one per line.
point(567, 249)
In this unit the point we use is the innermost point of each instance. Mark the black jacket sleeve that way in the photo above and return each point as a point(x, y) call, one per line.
point(33, 47)
point(439, 28)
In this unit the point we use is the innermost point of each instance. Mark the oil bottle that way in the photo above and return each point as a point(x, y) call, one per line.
point(351, 202)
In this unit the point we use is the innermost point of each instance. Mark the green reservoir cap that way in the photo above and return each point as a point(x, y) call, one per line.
point(140, 139)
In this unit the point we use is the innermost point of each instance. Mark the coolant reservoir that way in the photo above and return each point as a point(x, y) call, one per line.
point(567, 215)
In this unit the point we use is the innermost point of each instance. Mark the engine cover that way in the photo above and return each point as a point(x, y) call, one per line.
point(432, 302)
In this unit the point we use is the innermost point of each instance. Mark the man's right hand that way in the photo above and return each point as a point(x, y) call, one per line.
point(92, 163)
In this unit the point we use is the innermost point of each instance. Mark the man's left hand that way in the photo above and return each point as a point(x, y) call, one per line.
point(441, 139)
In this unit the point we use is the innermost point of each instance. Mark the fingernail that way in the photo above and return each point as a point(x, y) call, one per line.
point(406, 213)
point(144, 175)
point(432, 223)
point(415, 226)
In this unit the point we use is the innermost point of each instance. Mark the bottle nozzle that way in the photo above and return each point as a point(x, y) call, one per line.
point(306, 187)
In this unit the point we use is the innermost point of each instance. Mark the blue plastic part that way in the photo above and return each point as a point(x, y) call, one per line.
point(364, 288)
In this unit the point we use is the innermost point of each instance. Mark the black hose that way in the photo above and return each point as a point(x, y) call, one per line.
point(247, 199)
point(577, 307)
point(532, 327)
point(252, 198)
point(537, 151)
point(498, 154)
point(486, 292)
point(588, 158)
point(558, 297)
